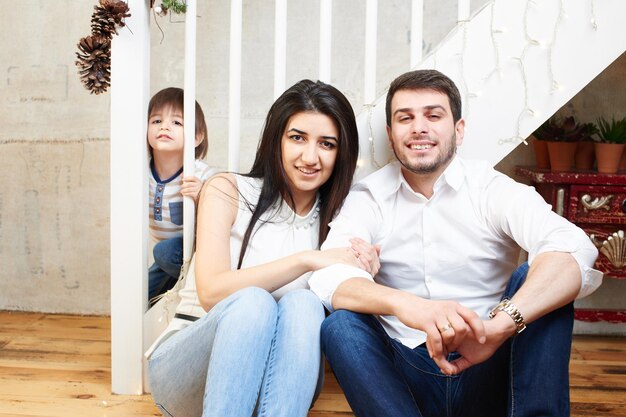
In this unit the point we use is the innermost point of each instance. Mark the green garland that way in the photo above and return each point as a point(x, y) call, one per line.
point(175, 6)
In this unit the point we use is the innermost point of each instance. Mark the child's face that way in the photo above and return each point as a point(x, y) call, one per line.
point(165, 130)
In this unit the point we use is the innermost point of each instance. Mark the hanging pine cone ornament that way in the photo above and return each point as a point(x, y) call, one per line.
point(94, 51)
point(108, 16)
point(94, 63)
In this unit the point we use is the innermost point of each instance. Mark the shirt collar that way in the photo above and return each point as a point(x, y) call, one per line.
point(389, 179)
point(453, 175)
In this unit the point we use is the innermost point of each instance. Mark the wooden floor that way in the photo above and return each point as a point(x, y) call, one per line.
point(59, 365)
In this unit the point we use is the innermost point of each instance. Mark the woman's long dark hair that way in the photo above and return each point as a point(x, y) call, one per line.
point(314, 97)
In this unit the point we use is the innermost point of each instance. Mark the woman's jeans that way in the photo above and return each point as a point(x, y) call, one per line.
point(528, 375)
point(249, 355)
point(168, 259)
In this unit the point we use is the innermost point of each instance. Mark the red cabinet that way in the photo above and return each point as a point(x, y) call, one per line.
point(597, 204)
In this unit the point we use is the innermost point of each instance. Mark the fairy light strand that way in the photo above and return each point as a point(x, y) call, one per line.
point(496, 30)
point(554, 84)
point(594, 22)
point(516, 138)
point(464, 84)
point(497, 69)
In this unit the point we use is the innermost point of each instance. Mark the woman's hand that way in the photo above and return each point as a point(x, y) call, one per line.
point(191, 187)
point(318, 259)
point(368, 255)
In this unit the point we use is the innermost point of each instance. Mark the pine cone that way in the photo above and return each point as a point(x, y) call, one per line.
point(94, 63)
point(108, 16)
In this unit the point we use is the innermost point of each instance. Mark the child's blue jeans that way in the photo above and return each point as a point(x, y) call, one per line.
point(168, 259)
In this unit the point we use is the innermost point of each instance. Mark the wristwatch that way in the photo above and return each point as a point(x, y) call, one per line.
point(509, 308)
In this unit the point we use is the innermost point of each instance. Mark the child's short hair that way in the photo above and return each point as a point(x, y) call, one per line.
point(174, 97)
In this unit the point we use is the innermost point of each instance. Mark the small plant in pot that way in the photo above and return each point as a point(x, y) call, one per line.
point(611, 143)
point(561, 136)
point(585, 152)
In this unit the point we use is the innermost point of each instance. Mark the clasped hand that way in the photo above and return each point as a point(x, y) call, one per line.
point(451, 327)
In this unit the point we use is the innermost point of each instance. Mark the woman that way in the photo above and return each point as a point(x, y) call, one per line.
point(256, 351)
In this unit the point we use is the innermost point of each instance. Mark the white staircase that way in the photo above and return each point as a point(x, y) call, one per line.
point(515, 63)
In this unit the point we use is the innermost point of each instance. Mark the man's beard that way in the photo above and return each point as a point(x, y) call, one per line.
point(428, 168)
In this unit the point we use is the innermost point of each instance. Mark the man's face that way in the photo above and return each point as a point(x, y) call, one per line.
point(423, 134)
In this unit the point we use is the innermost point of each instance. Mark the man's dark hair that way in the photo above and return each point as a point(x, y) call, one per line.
point(426, 80)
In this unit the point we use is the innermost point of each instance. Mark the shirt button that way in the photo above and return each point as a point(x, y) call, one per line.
point(428, 280)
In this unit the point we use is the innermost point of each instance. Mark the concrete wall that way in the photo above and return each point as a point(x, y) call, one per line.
point(54, 207)
point(54, 146)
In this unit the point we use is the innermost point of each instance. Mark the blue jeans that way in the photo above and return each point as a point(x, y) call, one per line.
point(249, 355)
point(168, 259)
point(527, 376)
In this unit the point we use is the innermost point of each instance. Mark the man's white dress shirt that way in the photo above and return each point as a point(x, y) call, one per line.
point(462, 244)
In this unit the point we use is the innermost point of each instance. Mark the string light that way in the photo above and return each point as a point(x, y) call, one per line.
point(554, 85)
point(496, 30)
point(516, 138)
point(464, 87)
point(370, 110)
point(594, 23)
point(496, 47)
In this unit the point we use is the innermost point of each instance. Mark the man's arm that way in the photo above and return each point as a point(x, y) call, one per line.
point(433, 317)
point(561, 257)
point(553, 281)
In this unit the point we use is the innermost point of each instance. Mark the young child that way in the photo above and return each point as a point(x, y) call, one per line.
point(167, 185)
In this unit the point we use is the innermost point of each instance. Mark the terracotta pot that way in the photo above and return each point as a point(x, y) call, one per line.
point(585, 156)
point(608, 156)
point(541, 153)
point(562, 155)
point(622, 163)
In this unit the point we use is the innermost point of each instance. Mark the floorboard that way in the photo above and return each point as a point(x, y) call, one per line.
point(59, 366)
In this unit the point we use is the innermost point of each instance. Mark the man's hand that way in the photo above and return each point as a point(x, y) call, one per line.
point(497, 331)
point(447, 325)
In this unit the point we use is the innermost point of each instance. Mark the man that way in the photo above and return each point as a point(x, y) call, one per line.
point(416, 339)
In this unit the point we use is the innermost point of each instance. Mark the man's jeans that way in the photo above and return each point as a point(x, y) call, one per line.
point(168, 259)
point(527, 376)
point(247, 353)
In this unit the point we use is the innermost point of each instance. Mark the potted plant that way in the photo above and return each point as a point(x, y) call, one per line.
point(561, 136)
point(585, 152)
point(541, 151)
point(610, 145)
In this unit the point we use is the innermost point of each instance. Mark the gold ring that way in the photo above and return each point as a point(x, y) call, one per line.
point(445, 328)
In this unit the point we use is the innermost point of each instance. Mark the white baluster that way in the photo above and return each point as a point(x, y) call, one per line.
point(234, 85)
point(130, 90)
point(463, 10)
point(280, 47)
point(326, 31)
point(190, 125)
point(417, 31)
point(371, 24)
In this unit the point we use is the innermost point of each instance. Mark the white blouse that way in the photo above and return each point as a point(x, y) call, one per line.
point(279, 232)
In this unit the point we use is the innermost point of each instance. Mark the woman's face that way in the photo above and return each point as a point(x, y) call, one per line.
point(309, 147)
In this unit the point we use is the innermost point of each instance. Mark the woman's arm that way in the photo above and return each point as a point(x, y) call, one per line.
point(215, 280)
